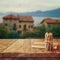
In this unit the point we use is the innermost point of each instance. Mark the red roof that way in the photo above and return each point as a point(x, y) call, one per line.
point(10, 16)
point(21, 18)
point(25, 18)
point(51, 21)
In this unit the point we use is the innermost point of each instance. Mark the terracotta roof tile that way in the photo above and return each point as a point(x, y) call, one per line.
point(10, 16)
point(22, 18)
point(25, 18)
point(48, 20)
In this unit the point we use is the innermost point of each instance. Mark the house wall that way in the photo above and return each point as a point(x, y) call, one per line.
point(50, 24)
point(10, 24)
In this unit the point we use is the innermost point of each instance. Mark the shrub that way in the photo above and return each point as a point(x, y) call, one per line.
point(3, 32)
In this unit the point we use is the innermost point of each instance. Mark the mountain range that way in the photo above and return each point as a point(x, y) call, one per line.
point(38, 13)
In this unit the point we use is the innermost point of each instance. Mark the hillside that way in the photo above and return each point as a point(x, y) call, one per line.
point(50, 13)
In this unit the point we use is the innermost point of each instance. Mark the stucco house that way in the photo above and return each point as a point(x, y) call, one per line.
point(48, 22)
point(18, 23)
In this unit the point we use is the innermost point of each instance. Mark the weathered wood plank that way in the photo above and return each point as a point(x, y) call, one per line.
point(22, 46)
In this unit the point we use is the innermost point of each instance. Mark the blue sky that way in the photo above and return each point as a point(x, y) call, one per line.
point(28, 5)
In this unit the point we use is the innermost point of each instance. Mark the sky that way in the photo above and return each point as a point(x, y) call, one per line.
point(28, 5)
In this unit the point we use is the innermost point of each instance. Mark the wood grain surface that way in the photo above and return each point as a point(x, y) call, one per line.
point(23, 45)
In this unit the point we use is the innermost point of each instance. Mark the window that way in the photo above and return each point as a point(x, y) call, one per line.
point(31, 26)
point(19, 26)
point(6, 24)
point(20, 20)
point(25, 28)
point(14, 27)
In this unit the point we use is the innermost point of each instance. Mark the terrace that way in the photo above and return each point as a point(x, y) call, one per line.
point(27, 49)
point(25, 46)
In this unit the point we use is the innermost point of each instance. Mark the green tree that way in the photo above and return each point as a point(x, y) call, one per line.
point(38, 32)
point(13, 35)
point(55, 29)
point(3, 32)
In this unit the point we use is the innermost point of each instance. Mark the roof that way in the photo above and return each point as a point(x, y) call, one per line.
point(51, 21)
point(21, 18)
point(10, 16)
point(25, 18)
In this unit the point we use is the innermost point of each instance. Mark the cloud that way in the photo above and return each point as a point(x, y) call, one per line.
point(28, 5)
